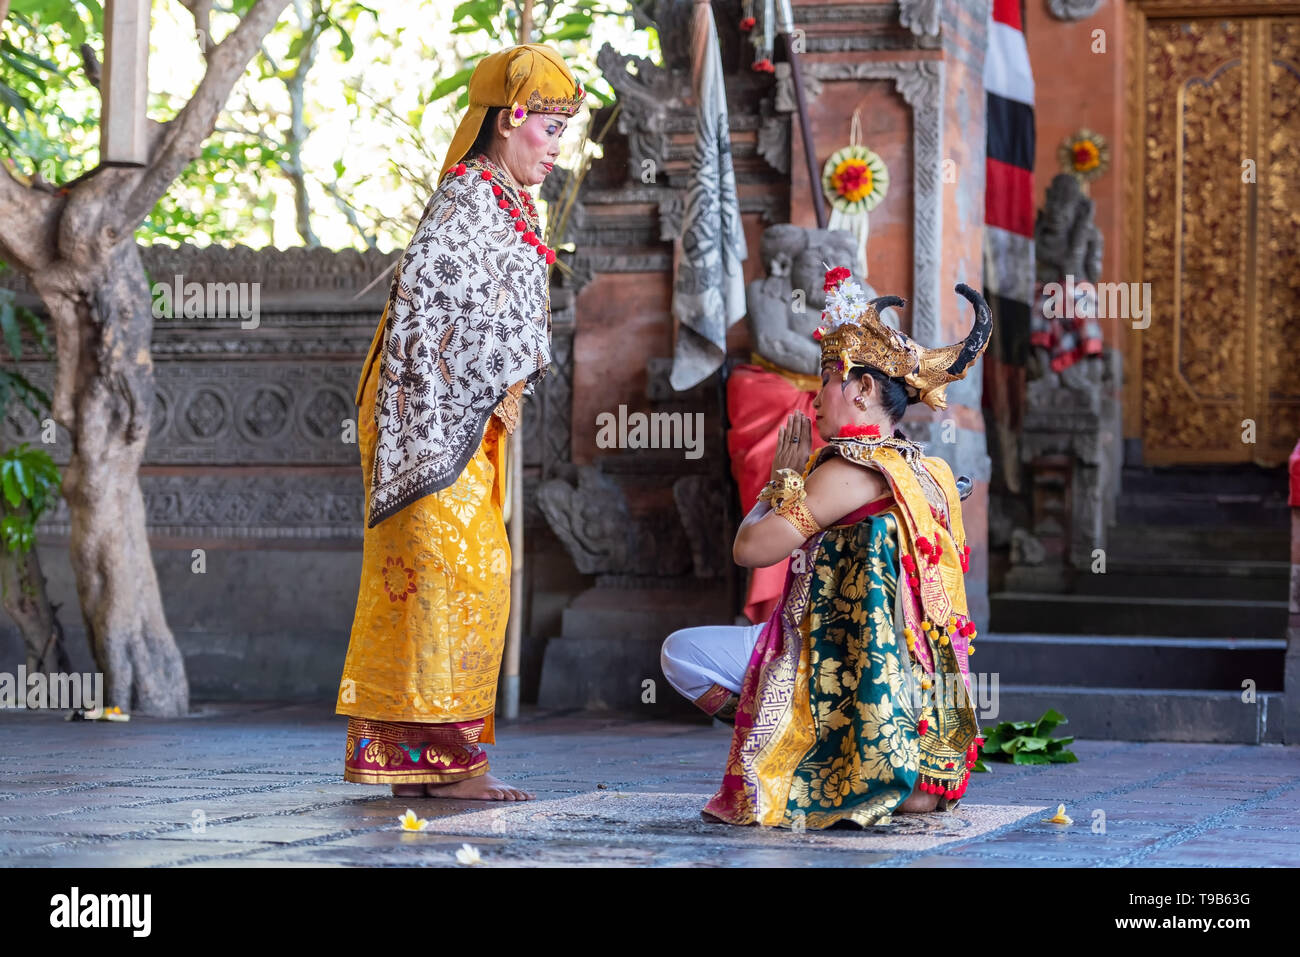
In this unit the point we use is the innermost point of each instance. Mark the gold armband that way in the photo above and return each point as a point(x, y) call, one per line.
point(788, 500)
point(797, 514)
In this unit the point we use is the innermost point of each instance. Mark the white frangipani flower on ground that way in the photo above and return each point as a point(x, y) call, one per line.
point(468, 855)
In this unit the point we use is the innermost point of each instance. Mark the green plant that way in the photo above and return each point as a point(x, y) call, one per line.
point(31, 482)
point(29, 478)
point(1027, 742)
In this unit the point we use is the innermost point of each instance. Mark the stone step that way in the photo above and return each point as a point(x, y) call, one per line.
point(610, 674)
point(1144, 714)
point(1209, 511)
point(1238, 480)
point(1130, 541)
point(1036, 613)
point(1165, 578)
point(1219, 664)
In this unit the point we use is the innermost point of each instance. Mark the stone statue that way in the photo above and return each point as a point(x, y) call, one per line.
point(1071, 405)
point(781, 323)
point(1067, 243)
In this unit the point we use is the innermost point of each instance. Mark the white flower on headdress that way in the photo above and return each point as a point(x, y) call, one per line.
point(844, 304)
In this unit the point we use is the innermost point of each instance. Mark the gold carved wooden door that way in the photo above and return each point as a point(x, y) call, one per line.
point(1214, 229)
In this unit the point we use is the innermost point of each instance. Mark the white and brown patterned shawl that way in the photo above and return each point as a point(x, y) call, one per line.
point(468, 326)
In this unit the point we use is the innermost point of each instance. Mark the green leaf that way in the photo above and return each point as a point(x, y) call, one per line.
point(453, 82)
point(345, 44)
point(1063, 757)
point(570, 32)
point(13, 494)
point(29, 57)
point(992, 742)
point(464, 9)
point(13, 334)
point(1050, 719)
point(23, 478)
point(979, 765)
point(1021, 757)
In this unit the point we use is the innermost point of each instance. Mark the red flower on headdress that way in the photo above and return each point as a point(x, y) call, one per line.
point(849, 431)
point(834, 277)
point(747, 23)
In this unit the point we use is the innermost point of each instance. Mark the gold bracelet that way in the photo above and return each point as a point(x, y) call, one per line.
point(796, 512)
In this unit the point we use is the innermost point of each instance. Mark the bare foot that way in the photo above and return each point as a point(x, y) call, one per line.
point(408, 790)
point(485, 787)
point(919, 802)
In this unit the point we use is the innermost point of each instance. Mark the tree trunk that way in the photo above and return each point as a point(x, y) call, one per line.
point(104, 323)
point(22, 591)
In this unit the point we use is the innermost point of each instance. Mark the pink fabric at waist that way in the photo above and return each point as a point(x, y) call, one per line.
point(866, 511)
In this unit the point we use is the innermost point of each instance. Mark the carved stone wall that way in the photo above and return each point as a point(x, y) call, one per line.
point(251, 458)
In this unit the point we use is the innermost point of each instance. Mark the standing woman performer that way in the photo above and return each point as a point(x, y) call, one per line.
point(464, 335)
point(853, 700)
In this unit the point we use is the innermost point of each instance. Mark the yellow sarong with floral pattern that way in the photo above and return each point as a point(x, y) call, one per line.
point(420, 677)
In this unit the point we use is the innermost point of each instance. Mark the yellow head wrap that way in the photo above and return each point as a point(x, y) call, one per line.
point(528, 78)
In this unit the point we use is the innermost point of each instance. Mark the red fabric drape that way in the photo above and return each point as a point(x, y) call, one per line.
point(758, 402)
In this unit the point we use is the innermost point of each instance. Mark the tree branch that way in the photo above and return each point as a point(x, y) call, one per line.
point(90, 63)
point(183, 136)
point(30, 219)
point(201, 11)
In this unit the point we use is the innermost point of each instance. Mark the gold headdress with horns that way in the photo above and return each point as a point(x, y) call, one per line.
point(853, 334)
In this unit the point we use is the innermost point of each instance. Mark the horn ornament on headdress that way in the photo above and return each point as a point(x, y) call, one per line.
point(853, 334)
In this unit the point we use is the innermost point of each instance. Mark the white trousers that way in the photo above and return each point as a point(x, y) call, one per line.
point(695, 659)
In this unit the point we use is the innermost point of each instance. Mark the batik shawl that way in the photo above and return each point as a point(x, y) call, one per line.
point(836, 722)
point(468, 318)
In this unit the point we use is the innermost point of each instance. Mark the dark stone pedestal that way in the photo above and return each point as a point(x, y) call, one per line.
point(610, 644)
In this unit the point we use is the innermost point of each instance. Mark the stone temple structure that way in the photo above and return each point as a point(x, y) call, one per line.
point(1130, 542)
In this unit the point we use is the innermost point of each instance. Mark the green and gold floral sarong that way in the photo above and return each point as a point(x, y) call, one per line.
point(857, 691)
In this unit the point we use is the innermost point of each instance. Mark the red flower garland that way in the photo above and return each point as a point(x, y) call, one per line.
point(520, 226)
